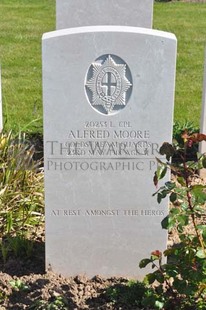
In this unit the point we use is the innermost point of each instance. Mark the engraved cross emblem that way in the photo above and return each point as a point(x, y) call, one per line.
point(108, 83)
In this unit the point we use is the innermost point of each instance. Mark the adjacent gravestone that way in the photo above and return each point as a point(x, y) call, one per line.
point(1, 116)
point(108, 105)
point(202, 147)
point(76, 13)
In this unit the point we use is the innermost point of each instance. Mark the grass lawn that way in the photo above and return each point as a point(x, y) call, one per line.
point(22, 23)
point(188, 22)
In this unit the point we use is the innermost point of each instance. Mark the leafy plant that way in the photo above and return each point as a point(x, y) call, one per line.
point(59, 303)
point(131, 293)
point(178, 130)
point(21, 194)
point(180, 127)
point(180, 283)
point(18, 285)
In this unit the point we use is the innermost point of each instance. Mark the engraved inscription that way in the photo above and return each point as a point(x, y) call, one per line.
point(112, 145)
point(108, 84)
point(106, 212)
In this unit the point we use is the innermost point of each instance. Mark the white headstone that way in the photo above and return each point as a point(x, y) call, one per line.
point(77, 13)
point(202, 147)
point(108, 106)
point(1, 116)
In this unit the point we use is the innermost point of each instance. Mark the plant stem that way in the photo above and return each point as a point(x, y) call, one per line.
point(189, 198)
point(166, 281)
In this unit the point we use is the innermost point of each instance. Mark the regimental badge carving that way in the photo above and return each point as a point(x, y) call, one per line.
point(108, 84)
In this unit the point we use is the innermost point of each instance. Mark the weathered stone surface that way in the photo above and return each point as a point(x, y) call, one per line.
point(108, 105)
point(77, 13)
point(202, 146)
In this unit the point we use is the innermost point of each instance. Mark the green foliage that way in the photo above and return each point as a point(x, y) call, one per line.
point(58, 303)
point(132, 293)
point(179, 128)
point(21, 195)
point(19, 285)
point(181, 283)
